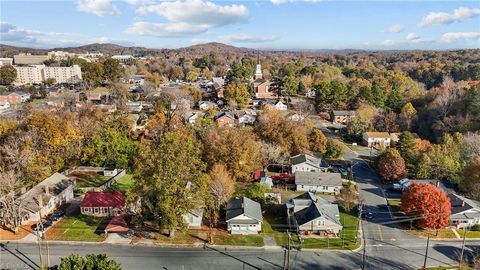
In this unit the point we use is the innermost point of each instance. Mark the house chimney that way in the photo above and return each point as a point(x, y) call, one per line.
point(463, 203)
point(437, 184)
point(40, 201)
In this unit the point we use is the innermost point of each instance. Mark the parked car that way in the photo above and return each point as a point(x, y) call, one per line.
point(367, 214)
point(402, 184)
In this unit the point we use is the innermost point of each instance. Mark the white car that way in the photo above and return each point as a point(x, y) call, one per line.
point(402, 184)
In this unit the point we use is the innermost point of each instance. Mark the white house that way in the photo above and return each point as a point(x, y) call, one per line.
point(295, 117)
point(312, 214)
point(46, 196)
point(193, 117)
point(281, 106)
point(465, 212)
point(377, 139)
point(137, 79)
point(193, 219)
point(325, 182)
point(243, 216)
point(246, 118)
point(206, 105)
point(306, 163)
point(4, 105)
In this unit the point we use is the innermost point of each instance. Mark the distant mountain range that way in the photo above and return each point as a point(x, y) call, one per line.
point(107, 48)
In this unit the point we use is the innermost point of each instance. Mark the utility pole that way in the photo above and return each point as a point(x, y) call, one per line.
point(288, 252)
point(463, 247)
point(426, 253)
point(364, 256)
point(39, 243)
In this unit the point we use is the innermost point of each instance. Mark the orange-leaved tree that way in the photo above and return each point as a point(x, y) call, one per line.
point(427, 202)
point(391, 165)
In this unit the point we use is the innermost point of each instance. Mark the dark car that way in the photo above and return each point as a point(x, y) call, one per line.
point(59, 214)
point(367, 214)
point(47, 224)
point(37, 228)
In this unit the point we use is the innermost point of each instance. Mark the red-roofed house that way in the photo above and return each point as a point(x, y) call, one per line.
point(104, 203)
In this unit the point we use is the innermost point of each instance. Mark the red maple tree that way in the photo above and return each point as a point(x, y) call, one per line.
point(428, 202)
point(390, 165)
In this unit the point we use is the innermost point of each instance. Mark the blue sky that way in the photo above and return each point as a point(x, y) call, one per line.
point(272, 24)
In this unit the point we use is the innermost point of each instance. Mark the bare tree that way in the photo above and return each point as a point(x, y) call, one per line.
point(274, 154)
point(11, 209)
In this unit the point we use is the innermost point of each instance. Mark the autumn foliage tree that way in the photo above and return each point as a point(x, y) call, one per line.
point(470, 181)
point(390, 165)
point(317, 140)
point(427, 202)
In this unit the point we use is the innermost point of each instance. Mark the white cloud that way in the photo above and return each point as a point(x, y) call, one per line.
point(459, 14)
point(98, 7)
point(456, 36)
point(17, 36)
point(198, 12)
point(187, 18)
point(397, 28)
point(245, 38)
point(165, 29)
point(412, 37)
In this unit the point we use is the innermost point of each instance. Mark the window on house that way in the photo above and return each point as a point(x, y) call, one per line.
point(96, 210)
point(325, 188)
point(105, 210)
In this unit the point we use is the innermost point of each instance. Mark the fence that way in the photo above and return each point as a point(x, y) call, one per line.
point(105, 185)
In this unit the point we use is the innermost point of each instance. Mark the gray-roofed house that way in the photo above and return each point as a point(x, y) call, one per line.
point(243, 216)
point(46, 196)
point(342, 117)
point(325, 182)
point(306, 163)
point(465, 212)
point(311, 214)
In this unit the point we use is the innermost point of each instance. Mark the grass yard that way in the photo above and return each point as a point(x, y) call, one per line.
point(348, 236)
point(224, 238)
point(78, 228)
point(89, 179)
point(470, 234)
point(442, 233)
point(275, 224)
point(125, 183)
point(186, 237)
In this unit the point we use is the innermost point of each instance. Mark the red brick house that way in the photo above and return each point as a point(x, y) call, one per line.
point(104, 203)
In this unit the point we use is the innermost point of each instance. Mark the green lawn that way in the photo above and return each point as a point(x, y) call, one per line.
point(470, 234)
point(394, 205)
point(78, 228)
point(125, 183)
point(348, 236)
point(238, 240)
point(89, 179)
point(441, 233)
point(275, 225)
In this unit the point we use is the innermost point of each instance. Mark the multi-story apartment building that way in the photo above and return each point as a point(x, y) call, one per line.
point(36, 74)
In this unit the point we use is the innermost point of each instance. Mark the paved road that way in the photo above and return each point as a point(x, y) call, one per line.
point(385, 242)
point(25, 256)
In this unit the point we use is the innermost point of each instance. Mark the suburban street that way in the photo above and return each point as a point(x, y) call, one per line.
point(385, 242)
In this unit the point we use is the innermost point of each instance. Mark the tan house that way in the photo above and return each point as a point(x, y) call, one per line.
point(377, 139)
point(225, 119)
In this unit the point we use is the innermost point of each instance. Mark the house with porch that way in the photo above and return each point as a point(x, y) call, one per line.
point(465, 212)
point(243, 216)
point(310, 214)
point(103, 203)
point(376, 139)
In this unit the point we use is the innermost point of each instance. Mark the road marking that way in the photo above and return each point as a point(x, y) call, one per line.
point(380, 232)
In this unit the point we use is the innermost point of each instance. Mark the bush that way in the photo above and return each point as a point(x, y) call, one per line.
point(475, 227)
point(334, 149)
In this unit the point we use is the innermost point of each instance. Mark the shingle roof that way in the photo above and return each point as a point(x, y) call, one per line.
point(242, 205)
point(56, 183)
point(310, 160)
point(343, 113)
point(460, 204)
point(378, 135)
point(318, 207)
point(113, 199)
point(318, 178)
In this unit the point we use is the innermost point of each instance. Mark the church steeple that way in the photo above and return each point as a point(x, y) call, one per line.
point(258, 70)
